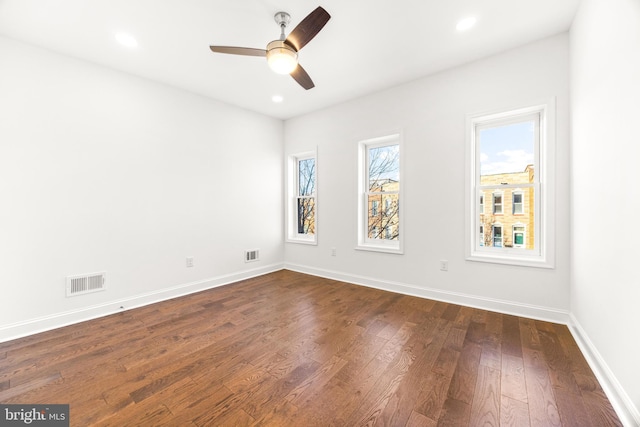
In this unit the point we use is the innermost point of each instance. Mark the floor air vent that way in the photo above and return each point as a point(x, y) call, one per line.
point(252, 255)
point(86, 283)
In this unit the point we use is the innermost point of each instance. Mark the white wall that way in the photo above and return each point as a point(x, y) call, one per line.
point(605, 156)
point(431, 113)
point(101, 170)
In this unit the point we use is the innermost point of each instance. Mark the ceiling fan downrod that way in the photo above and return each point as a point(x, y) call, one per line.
point(282, 19)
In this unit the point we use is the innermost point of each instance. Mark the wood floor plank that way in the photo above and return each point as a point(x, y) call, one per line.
point(560, 369)
point(572, 411)
point(291, 349)
point(463, 382)
point(485, 410)
point(383, 392)
point(511, 343)
point(513, 413)
point(513, 384)
point(418, 420)
point(543, 410)
point(454, 413)
point(529, 334)
point(401, 405)
point(433, 396)
point(315, 382)
point(599, 414)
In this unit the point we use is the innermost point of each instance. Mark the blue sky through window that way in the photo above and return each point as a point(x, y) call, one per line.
point(505, 149)
point(384, 163)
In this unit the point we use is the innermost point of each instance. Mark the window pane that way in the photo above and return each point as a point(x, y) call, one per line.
point(306, 177)
point(497, 203)
point(383, 223)
point(517, 203)
point(507, 153)
point(306, 215)
point(518, 235)
point(384, 168)
point(497, 236)
point(510, 222)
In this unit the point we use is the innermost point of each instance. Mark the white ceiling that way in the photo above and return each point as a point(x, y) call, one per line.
point(368, 45)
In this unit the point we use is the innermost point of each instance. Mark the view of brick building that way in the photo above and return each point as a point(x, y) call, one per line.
point(507, 214)
point(383, 210)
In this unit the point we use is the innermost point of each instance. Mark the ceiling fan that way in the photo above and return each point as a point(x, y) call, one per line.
point(282, 54)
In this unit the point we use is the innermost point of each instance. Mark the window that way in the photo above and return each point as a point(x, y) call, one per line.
point(389, 206)
point(496, 235)
point(510, 161)
point(518, 206)
point(374, 208)
point(379, 183)
point(519, 236)
point(497, 203)
point(302, 200)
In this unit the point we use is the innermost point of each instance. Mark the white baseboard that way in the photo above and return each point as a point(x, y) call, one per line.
point(622, 403)
point(491, 304)
point(58, 320)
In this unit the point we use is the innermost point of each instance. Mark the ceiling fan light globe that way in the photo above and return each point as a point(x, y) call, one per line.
point(281, 58)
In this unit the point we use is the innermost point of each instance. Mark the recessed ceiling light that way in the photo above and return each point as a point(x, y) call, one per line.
point(466, 23)
point(126, 39)
point(277, 98)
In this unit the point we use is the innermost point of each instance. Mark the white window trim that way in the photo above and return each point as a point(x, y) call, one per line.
point(544, 229)
point(378, 245)
point(292, 235)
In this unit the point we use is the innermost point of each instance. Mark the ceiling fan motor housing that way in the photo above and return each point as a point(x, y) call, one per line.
point(281, 57)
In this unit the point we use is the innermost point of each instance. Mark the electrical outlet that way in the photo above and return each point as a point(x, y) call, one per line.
point(444, 265)
point(189, 261)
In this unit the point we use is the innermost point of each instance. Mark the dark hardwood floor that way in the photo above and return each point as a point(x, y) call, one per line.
point(287, 349)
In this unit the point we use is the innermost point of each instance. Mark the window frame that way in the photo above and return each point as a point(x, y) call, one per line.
point(363, 241)
point(293, 194)
point(543, 254)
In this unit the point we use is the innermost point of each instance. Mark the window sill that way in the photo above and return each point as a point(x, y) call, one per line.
point(380, 248)
point(522, 261)
point(312, 242)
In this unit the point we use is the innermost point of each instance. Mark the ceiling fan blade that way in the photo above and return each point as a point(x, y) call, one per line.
point(301, 76)
point(308, 28)
point(247, 51)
